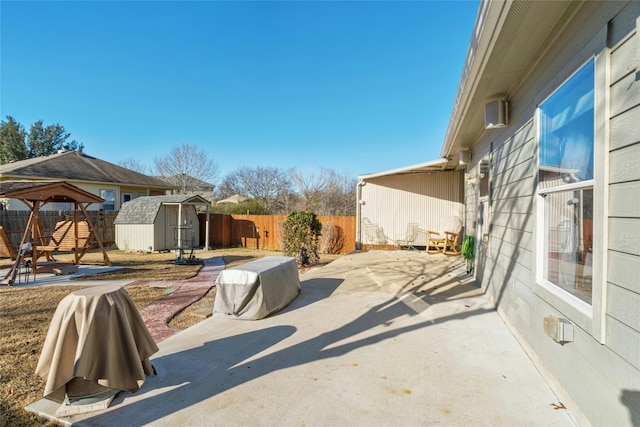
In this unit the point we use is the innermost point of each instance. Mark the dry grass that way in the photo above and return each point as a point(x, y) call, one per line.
point(25, 314)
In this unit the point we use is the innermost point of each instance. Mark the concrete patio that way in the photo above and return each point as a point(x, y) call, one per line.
point(380, 338)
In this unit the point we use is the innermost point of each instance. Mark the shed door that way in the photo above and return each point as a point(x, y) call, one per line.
point(171, 221)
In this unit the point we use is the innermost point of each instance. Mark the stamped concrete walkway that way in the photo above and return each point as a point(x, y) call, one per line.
point(158, 314)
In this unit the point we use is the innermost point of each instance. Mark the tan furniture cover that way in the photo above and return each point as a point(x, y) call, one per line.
point(97, 334)
point(257, 289)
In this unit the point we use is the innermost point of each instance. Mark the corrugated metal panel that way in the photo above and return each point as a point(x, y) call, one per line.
point(396, 200)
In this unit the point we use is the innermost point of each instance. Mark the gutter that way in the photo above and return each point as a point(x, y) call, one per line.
point(491, 16)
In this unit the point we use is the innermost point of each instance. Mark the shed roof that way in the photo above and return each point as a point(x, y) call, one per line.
point(77, 166)
point(144, 210)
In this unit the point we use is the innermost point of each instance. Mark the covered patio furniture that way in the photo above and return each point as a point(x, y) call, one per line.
point(97, 336)
point(256, 289)
point(446, 240)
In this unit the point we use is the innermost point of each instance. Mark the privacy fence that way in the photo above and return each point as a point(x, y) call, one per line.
point(15, 222)
point(225, 231)
point(265, 232)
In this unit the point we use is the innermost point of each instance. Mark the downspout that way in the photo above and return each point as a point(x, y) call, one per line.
point(359, 203)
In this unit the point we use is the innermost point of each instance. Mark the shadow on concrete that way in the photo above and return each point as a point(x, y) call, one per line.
point(194, 375)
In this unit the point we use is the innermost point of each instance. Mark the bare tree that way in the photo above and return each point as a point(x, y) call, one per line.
point(311, 186)
point(134, 165)
point(267, 184)
point(187, 166)
point(339, 198)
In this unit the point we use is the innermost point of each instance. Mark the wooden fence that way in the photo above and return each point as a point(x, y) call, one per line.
point(263, 232)
point(15, 222)
point(249, 231)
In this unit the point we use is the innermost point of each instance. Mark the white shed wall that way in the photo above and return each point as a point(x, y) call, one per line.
point(135, 237)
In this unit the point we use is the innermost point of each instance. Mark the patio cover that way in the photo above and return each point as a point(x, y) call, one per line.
point(257, 289)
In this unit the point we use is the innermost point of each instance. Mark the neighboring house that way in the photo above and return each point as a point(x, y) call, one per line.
point(545, 122)
point(115, 184)
point(157, 223)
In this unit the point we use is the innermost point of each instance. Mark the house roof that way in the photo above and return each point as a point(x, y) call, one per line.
point(46, 191)
point(143, 210)
point(190, 181)
point(507, 41)
point(77, 166)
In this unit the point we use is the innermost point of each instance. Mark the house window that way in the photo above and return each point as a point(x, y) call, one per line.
point(109, 197)
point(126, 197)
point(566, 184)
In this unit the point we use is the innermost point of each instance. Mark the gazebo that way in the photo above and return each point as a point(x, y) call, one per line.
point(36, 194)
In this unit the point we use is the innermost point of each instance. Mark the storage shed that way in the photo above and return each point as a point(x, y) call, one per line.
point(156, 223)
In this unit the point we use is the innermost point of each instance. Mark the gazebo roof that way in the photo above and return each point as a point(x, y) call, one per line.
point(46, 191)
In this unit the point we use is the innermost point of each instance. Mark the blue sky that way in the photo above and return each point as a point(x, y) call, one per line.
point(358, 87)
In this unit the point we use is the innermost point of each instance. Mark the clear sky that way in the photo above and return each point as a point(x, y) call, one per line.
point(358, 87)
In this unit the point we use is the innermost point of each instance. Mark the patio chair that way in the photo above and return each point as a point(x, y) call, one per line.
point(408, 239)
point(446, 239)
point(375, 235)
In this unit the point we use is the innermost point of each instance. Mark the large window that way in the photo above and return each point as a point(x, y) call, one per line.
point(566, 183)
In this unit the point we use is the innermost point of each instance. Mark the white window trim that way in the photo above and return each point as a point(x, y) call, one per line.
point(589, 317)
point(115, 198)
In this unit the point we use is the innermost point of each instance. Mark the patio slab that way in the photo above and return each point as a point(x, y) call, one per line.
point(382, 338)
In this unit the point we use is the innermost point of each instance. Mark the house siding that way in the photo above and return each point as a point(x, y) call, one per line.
point(597, 375)
point(392, 201)
point(623, 286)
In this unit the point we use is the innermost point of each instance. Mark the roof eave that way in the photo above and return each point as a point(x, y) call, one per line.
point(490, 19)
point(426, 167)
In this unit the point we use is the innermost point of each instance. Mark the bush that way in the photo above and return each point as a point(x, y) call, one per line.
point(301, 237)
